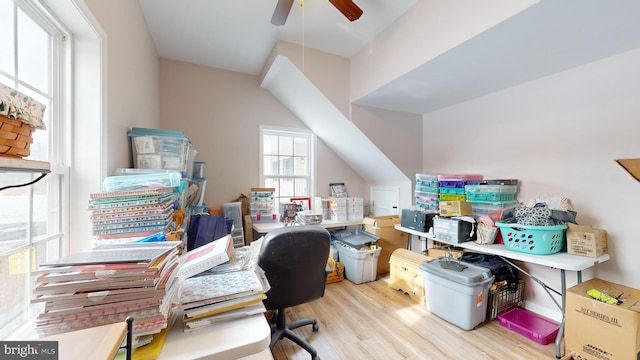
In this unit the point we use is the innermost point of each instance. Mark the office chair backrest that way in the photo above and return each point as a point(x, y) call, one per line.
point(294, 260)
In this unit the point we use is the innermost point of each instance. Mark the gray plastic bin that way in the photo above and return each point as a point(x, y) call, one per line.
point(457, 291)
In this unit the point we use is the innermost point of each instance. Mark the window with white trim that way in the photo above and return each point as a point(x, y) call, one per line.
point(287, 162)
point(32, 218)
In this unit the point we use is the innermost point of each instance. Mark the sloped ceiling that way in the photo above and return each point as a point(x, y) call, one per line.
point(548, 37)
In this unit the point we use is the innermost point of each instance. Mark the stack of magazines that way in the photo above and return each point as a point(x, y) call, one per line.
point(131, 213)
point(107, 284)
point(214, 289)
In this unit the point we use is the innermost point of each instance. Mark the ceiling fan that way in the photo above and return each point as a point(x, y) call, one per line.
point(347, 7)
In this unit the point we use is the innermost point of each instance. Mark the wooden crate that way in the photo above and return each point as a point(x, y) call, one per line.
point(337, 273)
point(405, 274)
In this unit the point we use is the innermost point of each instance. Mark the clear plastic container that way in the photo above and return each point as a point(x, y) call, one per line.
point(141, 181)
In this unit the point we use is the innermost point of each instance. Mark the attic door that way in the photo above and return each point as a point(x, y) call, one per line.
point(384, 200)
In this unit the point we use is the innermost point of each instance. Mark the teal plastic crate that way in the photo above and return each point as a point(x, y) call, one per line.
point(491, 192)
point(531, 239)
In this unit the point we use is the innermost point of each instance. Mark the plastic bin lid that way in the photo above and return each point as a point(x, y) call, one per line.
point(356, 237)
point(136, 131)
point(457, 271)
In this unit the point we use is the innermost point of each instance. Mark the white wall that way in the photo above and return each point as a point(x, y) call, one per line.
point(558, 135)
point(427, 30)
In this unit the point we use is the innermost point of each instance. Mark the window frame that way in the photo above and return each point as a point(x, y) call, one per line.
point(311, 163)
point(34, 248)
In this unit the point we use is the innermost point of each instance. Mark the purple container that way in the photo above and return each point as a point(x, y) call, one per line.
point(531, 325)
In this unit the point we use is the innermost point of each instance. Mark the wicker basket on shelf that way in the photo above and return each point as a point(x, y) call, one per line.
point(15, 137)
point(20, 116)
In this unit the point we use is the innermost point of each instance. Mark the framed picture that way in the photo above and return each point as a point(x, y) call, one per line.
point(303, 203)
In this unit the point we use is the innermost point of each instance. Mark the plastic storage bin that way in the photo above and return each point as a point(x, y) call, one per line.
point(360, 266)
point(533, 326)
point(457, 291)
point(484, 208)
point(162, 149)
point(141, 181)
point(533, 239)
point(356, 238)
point(427, 180)
point(491, 192)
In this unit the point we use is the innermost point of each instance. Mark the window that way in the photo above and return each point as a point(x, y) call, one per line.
point(287, 162)
point(32, 218)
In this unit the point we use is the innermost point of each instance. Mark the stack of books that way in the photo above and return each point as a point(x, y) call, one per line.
point(131, 213)
point(106, 284)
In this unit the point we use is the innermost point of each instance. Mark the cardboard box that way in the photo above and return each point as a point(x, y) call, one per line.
point(455, 208)
point(390, 238)
point(436, 252)
point(586, 241)
point(597, 330)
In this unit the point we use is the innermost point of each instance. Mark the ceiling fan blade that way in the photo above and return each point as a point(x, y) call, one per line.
point(348, 8)
point(281, 12)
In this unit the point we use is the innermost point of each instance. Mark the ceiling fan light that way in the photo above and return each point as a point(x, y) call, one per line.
point(348, 8)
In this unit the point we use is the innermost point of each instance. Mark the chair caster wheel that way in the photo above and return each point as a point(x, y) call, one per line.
point(315, 327)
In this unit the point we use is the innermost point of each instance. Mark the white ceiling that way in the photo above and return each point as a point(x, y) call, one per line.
point(237, 35)
point(546, 38)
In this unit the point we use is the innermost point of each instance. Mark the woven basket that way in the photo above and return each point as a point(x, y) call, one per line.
point(15, 137)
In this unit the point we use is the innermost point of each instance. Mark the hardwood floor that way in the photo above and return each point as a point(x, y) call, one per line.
point(374, 321)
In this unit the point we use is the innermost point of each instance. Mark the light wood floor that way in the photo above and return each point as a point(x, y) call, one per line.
point(374, 321)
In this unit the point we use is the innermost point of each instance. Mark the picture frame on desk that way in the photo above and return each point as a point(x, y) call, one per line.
point(303, 203)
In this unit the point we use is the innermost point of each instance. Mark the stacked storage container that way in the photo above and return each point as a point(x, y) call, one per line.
point(164, 149)
point(262, 206)
point(452, 193)
point(346, 209)
point(491, 195)
point(426, 192)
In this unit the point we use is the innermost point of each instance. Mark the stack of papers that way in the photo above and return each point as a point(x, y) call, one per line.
point(106, 284)
point(214, 297)
point(212, 291)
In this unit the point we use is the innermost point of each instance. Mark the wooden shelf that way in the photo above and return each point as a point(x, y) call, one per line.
point(21, 165)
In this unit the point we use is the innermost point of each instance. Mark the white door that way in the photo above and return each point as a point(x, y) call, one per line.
point(384, 200)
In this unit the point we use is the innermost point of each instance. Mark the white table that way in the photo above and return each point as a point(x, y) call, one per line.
point(265, 227)
point(246, 338)
point(561, 261)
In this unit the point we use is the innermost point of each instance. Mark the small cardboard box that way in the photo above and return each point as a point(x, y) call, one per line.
point(597, 330)
point(455, 208)
point(586, 241)
point(390, 238)
point(436, 252)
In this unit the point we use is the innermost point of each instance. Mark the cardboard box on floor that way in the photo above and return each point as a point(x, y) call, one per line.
point(597, 330)
point(390, 238)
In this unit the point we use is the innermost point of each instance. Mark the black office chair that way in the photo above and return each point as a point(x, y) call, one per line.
point(294, 260)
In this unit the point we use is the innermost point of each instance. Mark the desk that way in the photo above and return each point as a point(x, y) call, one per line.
point(265, 227)
point(245, 337)
point(561, 261)
point(94, 343)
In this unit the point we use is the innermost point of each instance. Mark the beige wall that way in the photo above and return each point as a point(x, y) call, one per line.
point(221, 112)
point(558, 135)
point(132, 80)
point(118, 59)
